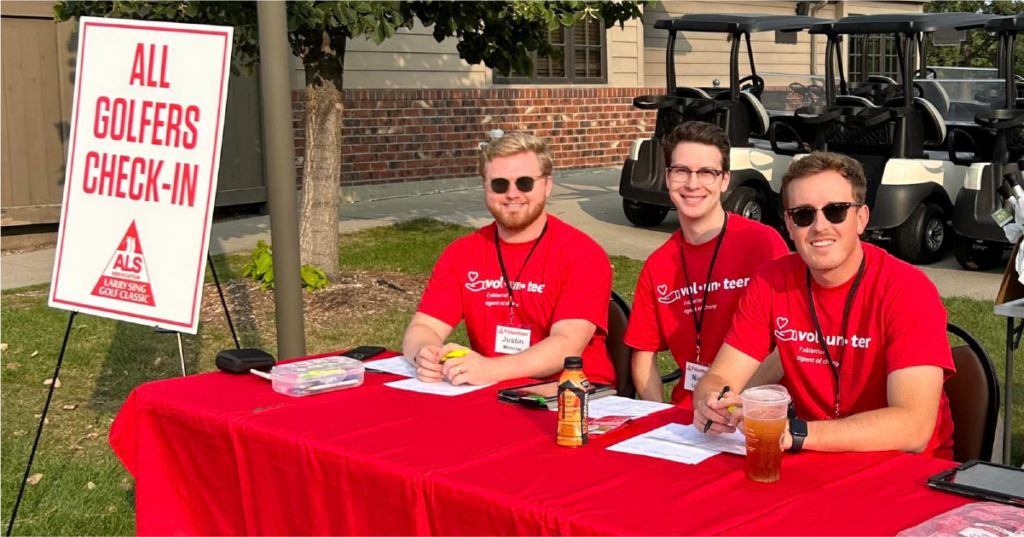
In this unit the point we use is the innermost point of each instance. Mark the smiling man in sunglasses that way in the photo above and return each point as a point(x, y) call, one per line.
point(531, 289)
point(689, 287)
point(861, 334)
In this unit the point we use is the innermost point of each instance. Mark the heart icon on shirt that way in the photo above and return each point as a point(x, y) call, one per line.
point(473, 275)
point(781, 322)
point(662, 289)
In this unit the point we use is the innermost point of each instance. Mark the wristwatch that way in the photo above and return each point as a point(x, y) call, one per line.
point(798, 429)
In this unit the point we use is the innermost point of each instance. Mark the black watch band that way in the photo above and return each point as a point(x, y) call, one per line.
point(798, 430)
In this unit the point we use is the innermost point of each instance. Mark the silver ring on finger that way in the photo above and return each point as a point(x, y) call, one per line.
point(458, 369)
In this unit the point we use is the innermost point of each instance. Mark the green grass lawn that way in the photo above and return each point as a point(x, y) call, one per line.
point(106, 360)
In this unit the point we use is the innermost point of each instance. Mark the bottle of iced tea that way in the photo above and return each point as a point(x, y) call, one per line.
point(573, 388)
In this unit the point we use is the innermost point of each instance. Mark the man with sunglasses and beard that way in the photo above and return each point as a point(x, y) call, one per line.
point(689, 287)
point(861, 334)
point(531, 288)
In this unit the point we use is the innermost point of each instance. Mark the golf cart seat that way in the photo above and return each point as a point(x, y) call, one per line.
point(855, 101)
point(934, 124)
point(934, 93)
point(692, 92)
point(882, 79)
point(756, 115)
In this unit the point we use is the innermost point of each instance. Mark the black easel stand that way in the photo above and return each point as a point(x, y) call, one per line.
point(42, 421)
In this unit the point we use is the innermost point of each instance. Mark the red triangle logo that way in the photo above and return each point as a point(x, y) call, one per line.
point(127, 277)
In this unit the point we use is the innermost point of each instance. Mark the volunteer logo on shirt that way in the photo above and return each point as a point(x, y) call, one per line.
point(476, 285)
point(727, 284)
point(788, 334)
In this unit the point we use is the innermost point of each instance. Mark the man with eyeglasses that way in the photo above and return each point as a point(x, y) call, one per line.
point(861, 334)
point(531, 288)
point(689, 287)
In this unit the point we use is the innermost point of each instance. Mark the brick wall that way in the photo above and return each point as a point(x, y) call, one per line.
point(394, 136)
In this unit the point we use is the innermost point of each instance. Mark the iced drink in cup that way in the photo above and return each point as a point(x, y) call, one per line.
point(764, 417)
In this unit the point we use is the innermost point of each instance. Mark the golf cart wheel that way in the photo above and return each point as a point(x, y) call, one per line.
point(745, 202)
point(975, 255)
point(643, 214)
point(921, 238)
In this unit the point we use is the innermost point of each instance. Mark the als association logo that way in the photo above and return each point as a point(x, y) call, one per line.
point(126, 277)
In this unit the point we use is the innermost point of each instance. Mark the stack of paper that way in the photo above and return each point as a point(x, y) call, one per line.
point(682, 443)
point(434, 388)
point(614, 405)
point(395, 366)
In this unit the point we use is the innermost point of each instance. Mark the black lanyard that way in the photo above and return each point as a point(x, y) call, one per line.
point(698, 321)
point(835, 365)
point(504, 274)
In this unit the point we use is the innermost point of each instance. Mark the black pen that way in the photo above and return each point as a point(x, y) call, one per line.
point(707, 426)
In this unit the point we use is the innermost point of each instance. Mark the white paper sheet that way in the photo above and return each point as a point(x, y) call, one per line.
point(675, 442)
point(662, 449)
point(734, 442)
point(614, 405)
point(395, 366)
point(434, 388)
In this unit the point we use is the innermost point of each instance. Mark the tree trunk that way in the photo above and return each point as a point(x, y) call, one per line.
point(318, 234)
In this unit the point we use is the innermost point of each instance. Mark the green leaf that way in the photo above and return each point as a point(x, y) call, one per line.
point(263, 264)
point(191, 9)
point(293, 24)
point(340, 13)
point(364, 7)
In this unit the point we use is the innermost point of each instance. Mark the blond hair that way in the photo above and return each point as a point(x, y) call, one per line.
point(515, 143)
point(823, 161)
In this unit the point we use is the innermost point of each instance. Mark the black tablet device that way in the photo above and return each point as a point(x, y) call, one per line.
point(545, 394)
point(983, 480)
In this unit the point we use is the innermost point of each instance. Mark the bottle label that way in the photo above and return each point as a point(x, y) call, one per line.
point(572, 414)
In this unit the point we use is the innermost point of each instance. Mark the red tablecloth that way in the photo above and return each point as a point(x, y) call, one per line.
point(222, 454)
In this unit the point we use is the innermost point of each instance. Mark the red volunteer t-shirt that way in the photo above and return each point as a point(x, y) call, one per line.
point(896, 321)
point(663, 318)
point(567, 277)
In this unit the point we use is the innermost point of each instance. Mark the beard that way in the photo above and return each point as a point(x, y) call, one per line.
point(517, 221)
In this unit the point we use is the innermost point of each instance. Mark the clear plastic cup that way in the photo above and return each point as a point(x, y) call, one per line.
point(764, 417)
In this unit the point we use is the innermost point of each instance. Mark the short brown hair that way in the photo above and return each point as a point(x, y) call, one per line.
point(515, 143)
point(698, 132)
point(823, 161)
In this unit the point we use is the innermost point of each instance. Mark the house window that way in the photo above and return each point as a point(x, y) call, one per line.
point(584, 58)
point(874, 55)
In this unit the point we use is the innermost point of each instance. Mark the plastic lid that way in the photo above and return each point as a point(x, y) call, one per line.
point(771, 394)
point(573, 362)
point(317, 368)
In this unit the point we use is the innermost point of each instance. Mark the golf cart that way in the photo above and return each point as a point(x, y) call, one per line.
point(894, 131)
point(979, 242)
point(739, 109)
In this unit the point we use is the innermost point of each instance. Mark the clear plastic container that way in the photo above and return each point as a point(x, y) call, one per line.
point(320, 375)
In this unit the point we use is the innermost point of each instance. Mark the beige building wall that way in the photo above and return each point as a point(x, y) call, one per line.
point(414, 59)
point(636, 53)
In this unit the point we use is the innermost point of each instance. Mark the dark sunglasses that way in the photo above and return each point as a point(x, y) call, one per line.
point(834, 212)
point(499, 185)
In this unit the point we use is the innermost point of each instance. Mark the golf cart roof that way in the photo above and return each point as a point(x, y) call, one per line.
point(1013, 23)
point(904, 23)
point(732, 23)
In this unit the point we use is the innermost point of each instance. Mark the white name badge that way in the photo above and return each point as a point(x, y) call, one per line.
point(694, 372)
point(511, 339)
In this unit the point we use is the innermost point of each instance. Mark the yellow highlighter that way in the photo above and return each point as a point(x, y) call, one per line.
point(459, 353)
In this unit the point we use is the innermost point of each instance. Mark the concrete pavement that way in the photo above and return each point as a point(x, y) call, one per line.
point(587, 199)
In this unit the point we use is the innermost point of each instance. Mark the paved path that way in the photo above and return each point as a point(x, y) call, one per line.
point(587, 199)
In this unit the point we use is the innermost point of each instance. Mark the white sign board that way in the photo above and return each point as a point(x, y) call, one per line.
point(141, 175)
